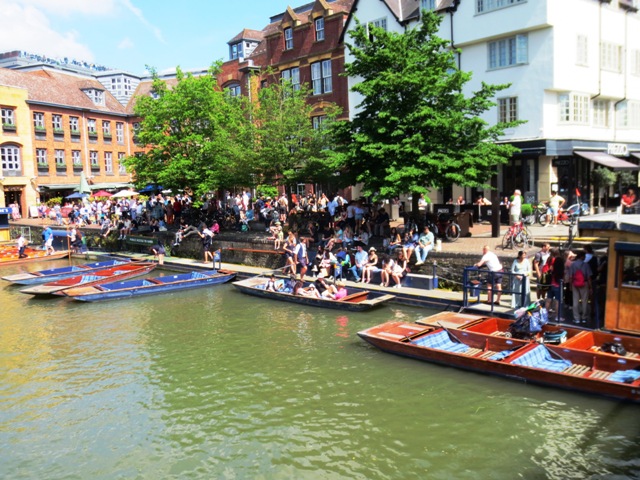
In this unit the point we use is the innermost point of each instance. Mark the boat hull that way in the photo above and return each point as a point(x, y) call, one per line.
point(398, 337)
point(153, 286)
point(56, 274)
point(118, 273)
point(361, 303)
point(33, 256)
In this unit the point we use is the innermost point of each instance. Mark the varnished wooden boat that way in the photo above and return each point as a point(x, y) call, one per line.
point(550, 365)
point(355, 301)
point(55, 274)
point(97, 277)
point(148, 286)
point(576, 338)
point(12, 258)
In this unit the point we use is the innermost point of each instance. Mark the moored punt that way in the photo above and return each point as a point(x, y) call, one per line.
point(355, 301)
point(148, 286)
point(54, 274)
point(96, 277)
point(12, 258)
point(574, 338)
point(555, 366)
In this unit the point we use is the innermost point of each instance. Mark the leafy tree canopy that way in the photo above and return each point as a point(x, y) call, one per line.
point(194, 135)
point(414, 129)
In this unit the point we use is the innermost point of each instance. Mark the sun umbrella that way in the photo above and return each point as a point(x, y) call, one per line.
point(77, 195)
point(102, 193)
point(125, 193)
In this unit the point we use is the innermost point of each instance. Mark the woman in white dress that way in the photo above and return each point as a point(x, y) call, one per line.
point(522, 268)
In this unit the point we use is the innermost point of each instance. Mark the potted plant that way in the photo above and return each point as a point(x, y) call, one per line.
point(602, 178)
point(9, 127)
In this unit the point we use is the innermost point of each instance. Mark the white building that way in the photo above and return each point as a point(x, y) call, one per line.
point(574, 69)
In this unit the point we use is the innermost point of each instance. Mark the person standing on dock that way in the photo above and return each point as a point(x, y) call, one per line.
point(48, 240)
point(22, 244)
point(494, 265)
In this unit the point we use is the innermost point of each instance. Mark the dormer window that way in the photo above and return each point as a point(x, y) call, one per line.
point(96, 96)
point(236, 51)
point(288, 38)
point(319, 29)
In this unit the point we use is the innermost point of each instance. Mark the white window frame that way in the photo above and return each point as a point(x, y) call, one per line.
point(318, 121)
point(93, 159)
point(74, 124)
point(293, 75)
point(91, 126)
point(122, 169)
point(288, 38)
point(319, 24)
point(611, 57)
point(38, 120)
point(428, 4)
point(234, 90)
point(601, 109)
point(41, 157)
point(108, 162)
point(56, 121)
point(60, 159)
point(106, 127)
point(582, 50)
point(8, 116)
point(119, 132)
point(629, 114)
point(321, 79)
point(508, 52)
point(573, 108)
point(10, 156)
point(507, 109)
point(76, 158)
point(483, 6)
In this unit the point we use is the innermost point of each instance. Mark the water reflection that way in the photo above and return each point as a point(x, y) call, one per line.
point(213, 384)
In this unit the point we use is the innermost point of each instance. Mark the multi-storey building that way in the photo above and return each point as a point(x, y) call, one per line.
point(56, 127)
point(574, 70)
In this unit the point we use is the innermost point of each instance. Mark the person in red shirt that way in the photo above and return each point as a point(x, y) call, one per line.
point(629, 201)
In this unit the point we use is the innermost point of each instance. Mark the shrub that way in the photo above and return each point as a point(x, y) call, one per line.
point(526, 209)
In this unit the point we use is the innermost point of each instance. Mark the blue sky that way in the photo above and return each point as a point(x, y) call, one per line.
point(129, 34)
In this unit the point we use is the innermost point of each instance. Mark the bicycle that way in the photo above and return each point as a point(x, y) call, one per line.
point(537, 212)
point(566, 215)
point(444, 228)
point(518, 235)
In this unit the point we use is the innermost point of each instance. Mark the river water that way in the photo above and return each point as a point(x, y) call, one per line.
point(215, 384)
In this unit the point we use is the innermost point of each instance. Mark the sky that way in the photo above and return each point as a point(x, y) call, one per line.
point(131, 34)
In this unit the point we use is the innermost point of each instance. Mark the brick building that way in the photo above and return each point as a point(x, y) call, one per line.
point(63, 125)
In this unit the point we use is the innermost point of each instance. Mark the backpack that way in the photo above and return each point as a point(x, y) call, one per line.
point(578, 279)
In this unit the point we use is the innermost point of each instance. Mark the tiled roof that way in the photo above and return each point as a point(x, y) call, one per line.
point(60, 89)
point(144, 90)
point(247, 34)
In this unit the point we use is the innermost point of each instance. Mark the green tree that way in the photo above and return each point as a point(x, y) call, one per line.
point(194, 134)
point(288, 148)
point(414, 129)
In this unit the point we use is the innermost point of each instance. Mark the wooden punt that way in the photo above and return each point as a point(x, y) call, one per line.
point(148, 286)
point(555, 366)
point(355, 301)
point(12, 258)
point(96, 277)
point(576, 339)
point(55, 274)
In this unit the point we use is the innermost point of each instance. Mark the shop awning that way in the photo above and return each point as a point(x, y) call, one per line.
point(110, 186)
point(607, 160)
point(636, 154)
point(59, 186)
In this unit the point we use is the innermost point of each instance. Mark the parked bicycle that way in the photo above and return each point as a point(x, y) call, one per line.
point(566, 215)
point(444, 227)
point(537, 212)
point(518, 236)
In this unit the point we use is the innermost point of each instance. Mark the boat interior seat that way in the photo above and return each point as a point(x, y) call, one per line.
point(540, 357)
point(441, 341)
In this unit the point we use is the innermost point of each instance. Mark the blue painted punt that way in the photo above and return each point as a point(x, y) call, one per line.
point(55, 274)
point(148, 286)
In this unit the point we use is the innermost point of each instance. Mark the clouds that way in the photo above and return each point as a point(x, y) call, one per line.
point(53, 28)
point(25, 27)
